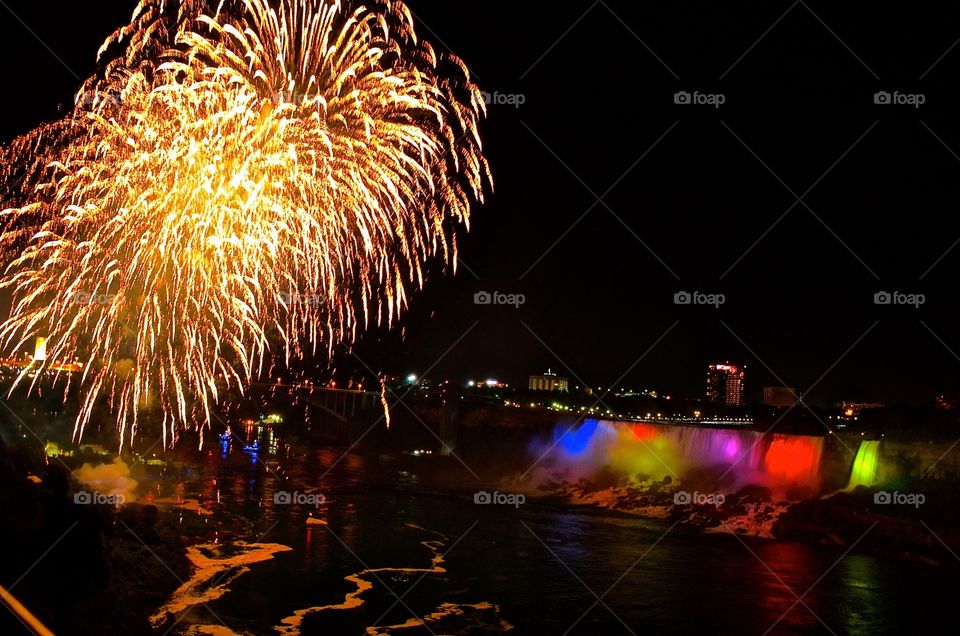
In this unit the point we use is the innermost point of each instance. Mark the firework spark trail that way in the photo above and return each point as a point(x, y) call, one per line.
point(241, 184)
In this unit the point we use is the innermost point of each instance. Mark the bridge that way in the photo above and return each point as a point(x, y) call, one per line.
point(341, 404)
point(344, 404)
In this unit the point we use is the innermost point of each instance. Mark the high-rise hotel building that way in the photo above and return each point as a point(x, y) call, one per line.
point(725, 384)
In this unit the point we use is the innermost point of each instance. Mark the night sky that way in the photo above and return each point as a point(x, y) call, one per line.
point(694, 198)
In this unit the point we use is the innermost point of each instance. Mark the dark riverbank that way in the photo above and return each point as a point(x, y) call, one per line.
point(82, 569)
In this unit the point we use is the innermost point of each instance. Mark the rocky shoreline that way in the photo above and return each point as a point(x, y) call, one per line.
point(857, 519)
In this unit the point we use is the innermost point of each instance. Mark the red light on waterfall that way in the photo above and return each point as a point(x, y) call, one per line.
point(796, 458)
point(643, 432)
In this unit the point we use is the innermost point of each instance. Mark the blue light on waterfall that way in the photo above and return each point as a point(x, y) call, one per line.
point(575, 442)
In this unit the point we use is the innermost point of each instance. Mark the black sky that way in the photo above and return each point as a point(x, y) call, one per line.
point(694, 213)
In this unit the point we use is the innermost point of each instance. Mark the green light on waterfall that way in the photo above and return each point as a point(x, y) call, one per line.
point(866, 466)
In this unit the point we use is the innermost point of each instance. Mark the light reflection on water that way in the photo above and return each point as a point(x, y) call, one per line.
point(512, 558)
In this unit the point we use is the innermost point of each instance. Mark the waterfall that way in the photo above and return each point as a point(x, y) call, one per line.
point(794, 458)
point(866, 465)
point(659, 450)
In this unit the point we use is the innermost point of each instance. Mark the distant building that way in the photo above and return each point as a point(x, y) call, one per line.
point(549, 381)
point(38, 361)
point(725, 384)
point(40, 349)
point(644, 393)
point(780, 396)
point(489, 383)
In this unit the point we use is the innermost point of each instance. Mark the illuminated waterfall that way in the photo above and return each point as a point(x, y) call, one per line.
point(866, 465)
point(659, 450)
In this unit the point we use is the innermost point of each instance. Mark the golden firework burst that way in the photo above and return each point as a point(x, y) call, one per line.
point(239, 185)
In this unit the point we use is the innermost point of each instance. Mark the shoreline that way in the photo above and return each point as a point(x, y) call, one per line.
point(838, 519)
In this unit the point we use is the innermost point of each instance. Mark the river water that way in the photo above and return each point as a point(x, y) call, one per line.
point(458, 567)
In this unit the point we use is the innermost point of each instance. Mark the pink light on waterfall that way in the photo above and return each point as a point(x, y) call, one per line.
point(731, 449)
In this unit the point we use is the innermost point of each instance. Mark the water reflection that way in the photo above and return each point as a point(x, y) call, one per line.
point(677, 583)
point(789, 573)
